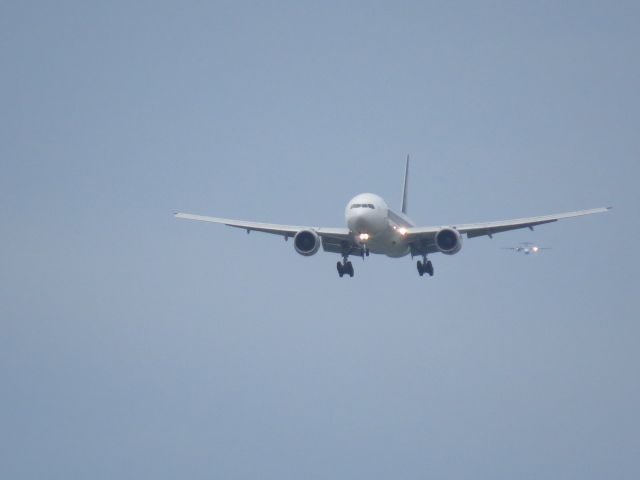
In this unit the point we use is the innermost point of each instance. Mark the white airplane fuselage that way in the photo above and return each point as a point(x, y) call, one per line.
point(376, 226)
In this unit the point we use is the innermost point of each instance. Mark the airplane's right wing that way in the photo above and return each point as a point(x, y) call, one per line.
point(336, 240)
point(284, 230)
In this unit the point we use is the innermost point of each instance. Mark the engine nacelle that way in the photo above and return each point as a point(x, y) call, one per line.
point(306, 242)
point(448, 241)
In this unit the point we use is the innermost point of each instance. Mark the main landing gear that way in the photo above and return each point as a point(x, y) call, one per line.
point(345, 268)
point(425, 266)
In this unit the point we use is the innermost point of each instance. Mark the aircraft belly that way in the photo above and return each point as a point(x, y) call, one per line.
point(388, 243)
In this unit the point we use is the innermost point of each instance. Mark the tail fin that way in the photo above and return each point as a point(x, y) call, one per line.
point(403, 205)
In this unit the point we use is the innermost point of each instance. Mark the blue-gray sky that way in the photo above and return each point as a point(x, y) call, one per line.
point(135, 345)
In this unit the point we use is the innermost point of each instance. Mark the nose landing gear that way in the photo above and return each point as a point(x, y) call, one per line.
point(345, 268)
point(425, 266)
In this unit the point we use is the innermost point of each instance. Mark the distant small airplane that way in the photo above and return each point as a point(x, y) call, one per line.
point(373, 227)
point(527, 248)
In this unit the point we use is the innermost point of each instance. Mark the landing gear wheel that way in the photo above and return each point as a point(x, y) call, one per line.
point(340, 269)
point(428, 268)
point(420, 268)
point(348, 268)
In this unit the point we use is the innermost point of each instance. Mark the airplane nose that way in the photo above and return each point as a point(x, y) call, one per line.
point(365, 223)
point(360, 224)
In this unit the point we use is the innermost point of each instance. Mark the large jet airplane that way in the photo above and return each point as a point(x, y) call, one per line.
point(373, 227)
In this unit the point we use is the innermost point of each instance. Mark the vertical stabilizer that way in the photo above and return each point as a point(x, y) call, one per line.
point(403, 205)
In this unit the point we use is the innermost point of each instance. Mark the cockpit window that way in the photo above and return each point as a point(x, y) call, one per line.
point(362, 205)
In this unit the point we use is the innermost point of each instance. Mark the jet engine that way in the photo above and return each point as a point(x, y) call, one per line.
point(448, 241)
point(306, 242)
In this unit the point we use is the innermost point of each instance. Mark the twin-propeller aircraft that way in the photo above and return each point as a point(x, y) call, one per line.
point(373, 227)
point(527, 248)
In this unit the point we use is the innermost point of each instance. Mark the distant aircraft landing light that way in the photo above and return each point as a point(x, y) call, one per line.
point(364, 237)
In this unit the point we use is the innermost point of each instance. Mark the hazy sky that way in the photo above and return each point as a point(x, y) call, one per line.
point(134, 345)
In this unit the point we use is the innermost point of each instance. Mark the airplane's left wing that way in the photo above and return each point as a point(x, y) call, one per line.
point(340, 234)
point(489, 228)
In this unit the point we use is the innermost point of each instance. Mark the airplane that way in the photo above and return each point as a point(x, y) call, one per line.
point(372, 227)
point(527, 248)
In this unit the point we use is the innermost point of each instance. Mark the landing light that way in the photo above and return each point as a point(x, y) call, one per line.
point(364, 237)
point(535, 249)
point(402, 231)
